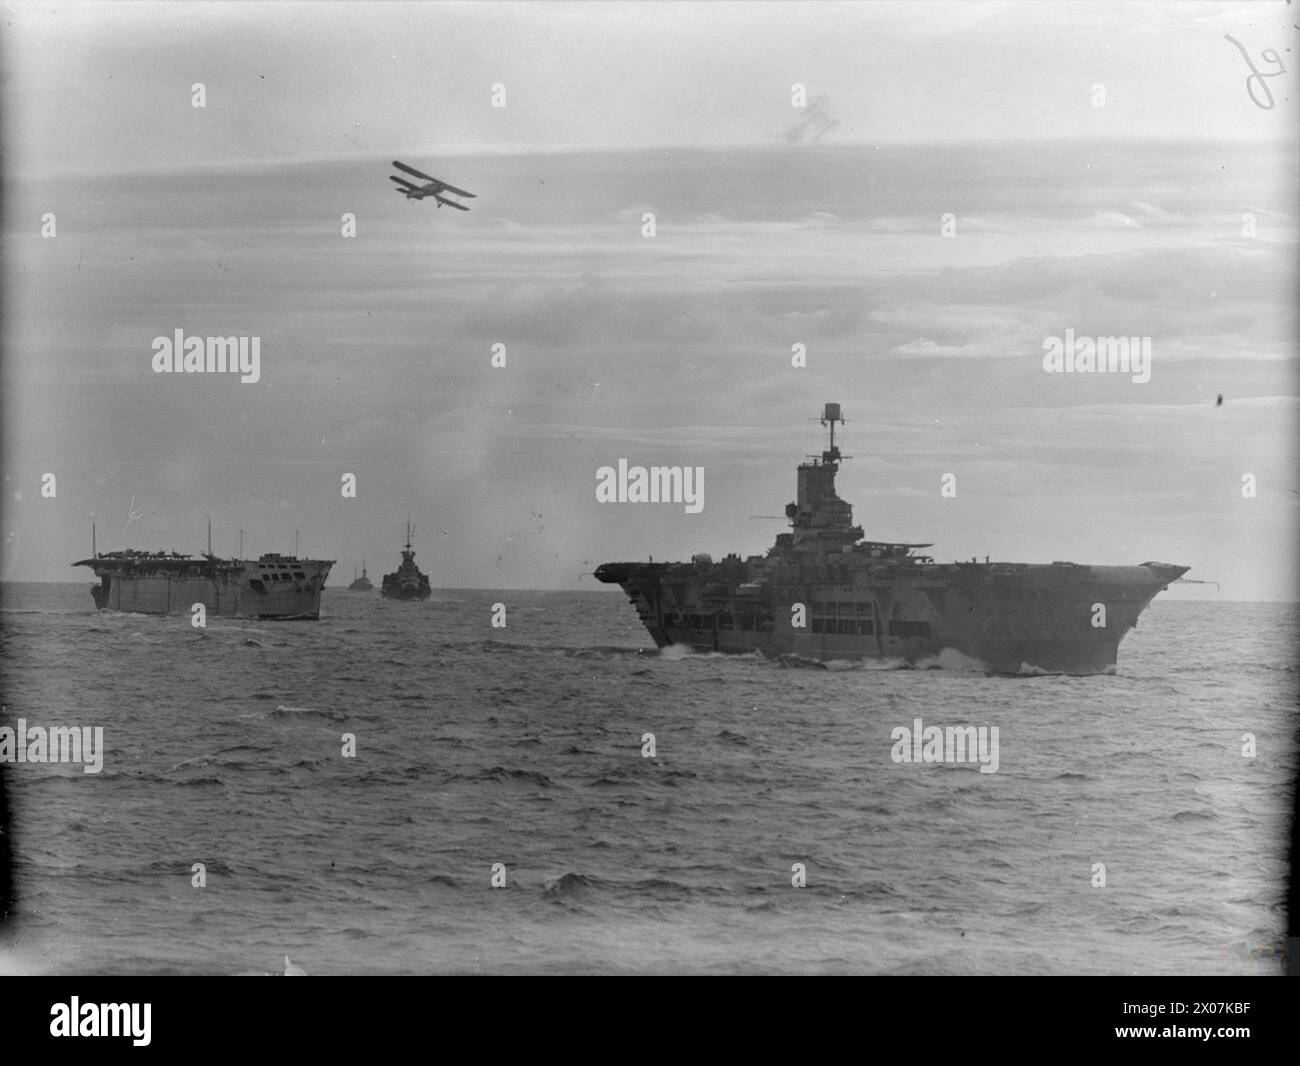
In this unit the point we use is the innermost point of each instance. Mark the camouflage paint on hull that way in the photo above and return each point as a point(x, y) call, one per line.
point(823, 593)
point(1010, 617)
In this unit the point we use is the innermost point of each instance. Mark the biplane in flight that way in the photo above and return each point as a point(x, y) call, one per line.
point(433, 187)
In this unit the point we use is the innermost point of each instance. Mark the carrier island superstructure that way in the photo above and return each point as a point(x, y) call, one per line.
point(822, 592)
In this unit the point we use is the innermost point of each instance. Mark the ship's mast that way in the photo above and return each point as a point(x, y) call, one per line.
point(93, 552)
point(831, 415)
point(209, 534)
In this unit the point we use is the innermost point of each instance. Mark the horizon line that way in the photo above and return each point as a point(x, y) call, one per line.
point(462, 150)
point(598, 587)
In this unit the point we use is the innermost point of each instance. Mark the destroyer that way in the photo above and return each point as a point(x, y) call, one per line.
point(407, 582)
point(822, 592)
point(271, 586)
point(362, 583)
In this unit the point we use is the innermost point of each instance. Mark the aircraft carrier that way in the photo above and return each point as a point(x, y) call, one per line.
point(824, 593)
point(271, 586)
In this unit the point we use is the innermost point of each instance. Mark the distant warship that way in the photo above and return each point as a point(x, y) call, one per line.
point(362, 583)
point(823, 593)
point(406, 582)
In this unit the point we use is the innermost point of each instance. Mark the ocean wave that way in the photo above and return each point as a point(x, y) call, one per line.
point(1028, 670)
point(797, 662)
point(569, 888)
point(671, 778)
point(506, 775)
point(953, 660)
point(676, 652)
point(598, 651)
point(201, 782)
point(529, 752)
point(1194, 816)
point(197, 760)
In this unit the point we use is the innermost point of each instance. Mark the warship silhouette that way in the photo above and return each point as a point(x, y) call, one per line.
point(157, 582)
point(407, 582)
point(362, 583)
point(271, 586)
point(823, 593)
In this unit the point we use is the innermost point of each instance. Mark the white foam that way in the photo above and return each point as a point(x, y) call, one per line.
point(952, 659)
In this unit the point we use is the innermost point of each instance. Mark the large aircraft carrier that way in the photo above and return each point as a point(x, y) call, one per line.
point(823, 593)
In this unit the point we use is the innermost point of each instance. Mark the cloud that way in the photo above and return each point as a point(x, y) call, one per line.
point(376, 350)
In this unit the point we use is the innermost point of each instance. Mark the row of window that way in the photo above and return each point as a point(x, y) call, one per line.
point(865, 627)
point(841, 607)
point(747, 623)
point(843, 625)
point(259, 584)
point(899, 627)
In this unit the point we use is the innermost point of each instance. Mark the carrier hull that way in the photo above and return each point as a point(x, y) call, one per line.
point(824, 593)
point(1011, 618)
point(273, 586)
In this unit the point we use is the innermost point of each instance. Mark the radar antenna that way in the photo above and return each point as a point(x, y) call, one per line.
point(830, 415)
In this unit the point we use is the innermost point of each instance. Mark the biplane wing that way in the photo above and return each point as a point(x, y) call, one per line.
point(413, 172)
point(458, 192)
point(442, 185)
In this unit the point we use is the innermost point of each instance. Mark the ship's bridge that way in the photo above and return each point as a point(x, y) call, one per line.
point(819, 518)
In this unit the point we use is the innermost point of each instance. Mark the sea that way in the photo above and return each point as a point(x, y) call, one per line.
point(407, 788)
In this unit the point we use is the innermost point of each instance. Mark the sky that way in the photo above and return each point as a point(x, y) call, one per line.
point(964, 182)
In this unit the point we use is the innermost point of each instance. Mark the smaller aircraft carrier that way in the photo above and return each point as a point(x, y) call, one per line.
point(271, 586)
